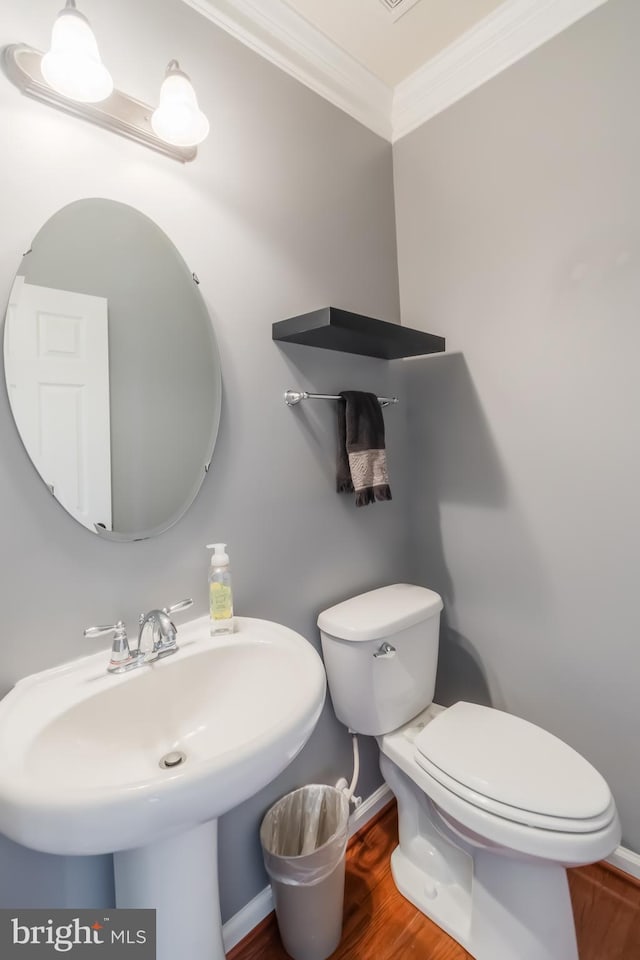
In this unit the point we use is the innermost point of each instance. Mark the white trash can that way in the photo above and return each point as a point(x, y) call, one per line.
point(304, 838)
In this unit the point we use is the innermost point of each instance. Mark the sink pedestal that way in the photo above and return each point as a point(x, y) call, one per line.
point(177, 877)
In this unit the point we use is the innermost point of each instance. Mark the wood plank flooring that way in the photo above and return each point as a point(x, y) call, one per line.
point(379, 924)
point(606, 907)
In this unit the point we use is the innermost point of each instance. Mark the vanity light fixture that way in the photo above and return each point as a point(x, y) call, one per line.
point(178, 119)
point(72, 77)
point(73, 66)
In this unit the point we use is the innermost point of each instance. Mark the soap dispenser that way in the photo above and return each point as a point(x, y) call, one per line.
point(220, 595)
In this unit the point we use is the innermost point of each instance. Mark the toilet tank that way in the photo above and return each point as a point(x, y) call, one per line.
point(380, 654)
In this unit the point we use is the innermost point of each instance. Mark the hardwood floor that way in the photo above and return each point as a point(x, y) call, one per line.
point(379, 924)
point(606, 906)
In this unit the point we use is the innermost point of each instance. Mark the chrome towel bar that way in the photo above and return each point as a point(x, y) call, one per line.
point(292, 397)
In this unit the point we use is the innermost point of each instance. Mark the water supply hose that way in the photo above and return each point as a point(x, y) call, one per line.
point(350, 790)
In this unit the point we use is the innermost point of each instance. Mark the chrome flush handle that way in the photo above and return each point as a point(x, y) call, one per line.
point(385, 651)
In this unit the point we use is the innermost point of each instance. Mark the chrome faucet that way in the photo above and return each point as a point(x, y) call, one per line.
point(163, 638)
point(163, 632)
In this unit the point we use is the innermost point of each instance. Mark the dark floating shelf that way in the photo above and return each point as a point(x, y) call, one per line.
point(335, 329)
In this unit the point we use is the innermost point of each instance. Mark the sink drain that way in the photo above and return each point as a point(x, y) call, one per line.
point(173, 759)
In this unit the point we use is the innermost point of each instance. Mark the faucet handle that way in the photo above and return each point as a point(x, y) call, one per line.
point(181, 605)
point(120, 652)
point(98, 631)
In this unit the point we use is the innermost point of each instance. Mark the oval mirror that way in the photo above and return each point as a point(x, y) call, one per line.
point(112, 369)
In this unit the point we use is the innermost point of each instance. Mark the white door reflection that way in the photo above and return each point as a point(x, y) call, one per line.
point(57, 364)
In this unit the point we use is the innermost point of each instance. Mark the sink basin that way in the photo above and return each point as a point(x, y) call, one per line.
point(82, 749)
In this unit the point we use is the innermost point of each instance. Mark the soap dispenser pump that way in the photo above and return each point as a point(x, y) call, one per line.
point(220, 595)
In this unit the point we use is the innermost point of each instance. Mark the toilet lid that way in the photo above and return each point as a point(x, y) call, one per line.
point(511, 761)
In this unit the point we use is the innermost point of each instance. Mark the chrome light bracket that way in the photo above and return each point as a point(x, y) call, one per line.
point(119, 113)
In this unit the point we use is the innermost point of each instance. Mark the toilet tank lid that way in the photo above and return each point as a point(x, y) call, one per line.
point(380, 613)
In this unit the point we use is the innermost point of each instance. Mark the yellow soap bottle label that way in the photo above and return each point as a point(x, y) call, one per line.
point(220, 605)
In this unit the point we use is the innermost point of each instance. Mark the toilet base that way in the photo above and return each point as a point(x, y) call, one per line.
point(496, 905)
point(513, 914)
point(447, 904)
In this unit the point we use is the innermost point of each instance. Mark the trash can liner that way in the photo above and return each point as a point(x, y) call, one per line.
point(304, 835)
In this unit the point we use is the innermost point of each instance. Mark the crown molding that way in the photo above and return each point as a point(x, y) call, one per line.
point(512, 31)
point(282, 36)
point(286, 39)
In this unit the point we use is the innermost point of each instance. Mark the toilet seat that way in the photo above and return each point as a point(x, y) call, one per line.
point(506, 812)
point(508, 827)
point(514, 770)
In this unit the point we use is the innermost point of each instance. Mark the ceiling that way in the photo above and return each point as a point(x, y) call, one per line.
point(393, 41)
point(393, 64)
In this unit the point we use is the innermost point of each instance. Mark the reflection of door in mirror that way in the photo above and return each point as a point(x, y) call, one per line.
point(57, 364)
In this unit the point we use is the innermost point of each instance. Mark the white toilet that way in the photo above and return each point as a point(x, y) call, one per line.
point(491, 808)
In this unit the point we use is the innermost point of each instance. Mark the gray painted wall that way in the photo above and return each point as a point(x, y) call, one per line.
point(289, 207)
point(518, 218)
point(518, 239)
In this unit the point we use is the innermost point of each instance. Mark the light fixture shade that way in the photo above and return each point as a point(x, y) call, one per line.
point(178, 118)
point(73, 66)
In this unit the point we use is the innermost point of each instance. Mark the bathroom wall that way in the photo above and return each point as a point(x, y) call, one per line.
point(518, 218)
point(288, 207)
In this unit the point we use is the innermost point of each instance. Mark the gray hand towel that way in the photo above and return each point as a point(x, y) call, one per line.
point(362, 459)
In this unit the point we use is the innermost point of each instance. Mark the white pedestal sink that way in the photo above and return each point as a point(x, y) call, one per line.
point(81, 770)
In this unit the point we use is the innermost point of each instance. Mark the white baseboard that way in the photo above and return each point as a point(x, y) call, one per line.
point(369, 808)
point(243, 922)
point(626, 860)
